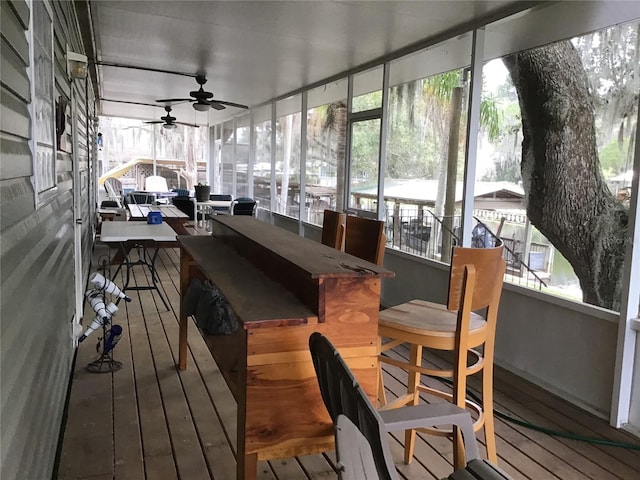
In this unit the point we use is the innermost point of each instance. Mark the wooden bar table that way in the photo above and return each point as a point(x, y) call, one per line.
point(282, 287)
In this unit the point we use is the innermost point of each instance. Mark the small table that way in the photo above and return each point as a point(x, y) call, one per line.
point(212, 206)
point(141, 234)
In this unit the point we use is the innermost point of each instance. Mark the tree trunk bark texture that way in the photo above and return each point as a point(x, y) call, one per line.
point(567, 197)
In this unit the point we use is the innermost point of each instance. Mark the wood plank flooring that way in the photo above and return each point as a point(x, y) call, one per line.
point(150, 421)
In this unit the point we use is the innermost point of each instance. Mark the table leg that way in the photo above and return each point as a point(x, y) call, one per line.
point(247, 466)
point(154, 275)
point(182, 343)
point(143, 259)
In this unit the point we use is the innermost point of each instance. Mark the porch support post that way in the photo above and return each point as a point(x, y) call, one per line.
point(471, 152)
point(303, 214)
point(625, 378)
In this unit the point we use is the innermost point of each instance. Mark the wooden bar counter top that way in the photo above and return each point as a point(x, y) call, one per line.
point(282, 287)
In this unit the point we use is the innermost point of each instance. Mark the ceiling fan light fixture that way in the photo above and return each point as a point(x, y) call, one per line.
point(169, 125)
point(201, 107)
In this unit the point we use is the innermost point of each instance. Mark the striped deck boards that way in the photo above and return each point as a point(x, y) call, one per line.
point(150, 421)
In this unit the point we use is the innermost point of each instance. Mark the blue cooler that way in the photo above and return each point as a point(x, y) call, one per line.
point(154, 218)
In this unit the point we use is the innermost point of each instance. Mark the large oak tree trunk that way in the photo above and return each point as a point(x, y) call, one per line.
point(567, 198)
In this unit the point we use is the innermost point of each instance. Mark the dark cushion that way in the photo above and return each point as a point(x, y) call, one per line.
point(221, 197)
point(244, 206)
point(185, 205)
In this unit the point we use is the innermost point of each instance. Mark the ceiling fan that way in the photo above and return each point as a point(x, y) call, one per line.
point(169, 121)
point(203, 100)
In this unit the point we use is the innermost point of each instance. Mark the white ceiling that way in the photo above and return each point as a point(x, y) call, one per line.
point(252, 52)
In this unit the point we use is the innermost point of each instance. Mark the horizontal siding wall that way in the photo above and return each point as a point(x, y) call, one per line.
point(37, 261)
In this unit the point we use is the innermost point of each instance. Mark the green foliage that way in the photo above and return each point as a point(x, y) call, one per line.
point(490, 118)
point(441, 86)
point(364, 150)
point(367, 101)
point(613, 158)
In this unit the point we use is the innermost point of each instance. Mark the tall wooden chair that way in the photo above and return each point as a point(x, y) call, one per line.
point(365, 238)
point(475, 283)
point(333, 227)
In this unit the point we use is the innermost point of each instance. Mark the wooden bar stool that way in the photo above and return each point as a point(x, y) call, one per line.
point(475, 283)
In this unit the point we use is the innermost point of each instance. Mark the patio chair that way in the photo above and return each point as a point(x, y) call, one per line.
point(362, 432)
point(244, 206)
point(333, 229)
point(223, 198)
point(186, 205)
point(475, 283)
point(140, 198)
point(364, 238)
point(113, 186)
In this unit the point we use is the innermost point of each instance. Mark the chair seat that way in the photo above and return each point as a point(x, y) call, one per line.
point(419, 317)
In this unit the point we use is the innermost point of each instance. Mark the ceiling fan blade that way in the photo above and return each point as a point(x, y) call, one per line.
point(155, 121)
point(187, 124)
point(174, 100)
point(231, 104)
point(217, 105)
point(128, 102)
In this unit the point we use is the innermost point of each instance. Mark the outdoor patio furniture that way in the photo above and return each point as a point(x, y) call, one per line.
point(113, 186)
point(361, 433)
point(244, 206)
point(140, 198)
point(364, 238)
point(333, 229)
point(475, 283)
point(186, 205)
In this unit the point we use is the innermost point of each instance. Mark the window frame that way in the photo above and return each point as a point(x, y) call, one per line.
point(42, 194)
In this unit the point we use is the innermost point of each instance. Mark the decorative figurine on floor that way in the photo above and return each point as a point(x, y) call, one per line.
point(104, 312)
point(107, 286)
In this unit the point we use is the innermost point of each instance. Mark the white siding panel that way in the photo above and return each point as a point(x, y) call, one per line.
point(13, 74)
point(37, 275)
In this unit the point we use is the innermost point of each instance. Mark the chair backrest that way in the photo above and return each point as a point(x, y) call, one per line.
point(342, 395)
point(489, 277)
point(140, 198)
point(222, 197)
point(156, 183)
point(355, 458)
point(364, 238)
point(244, 206)
point(333, 229)
point(113, 186)
point(186, 205)
point(182, 192)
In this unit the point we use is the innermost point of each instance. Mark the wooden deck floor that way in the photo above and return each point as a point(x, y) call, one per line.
point(150, 421)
